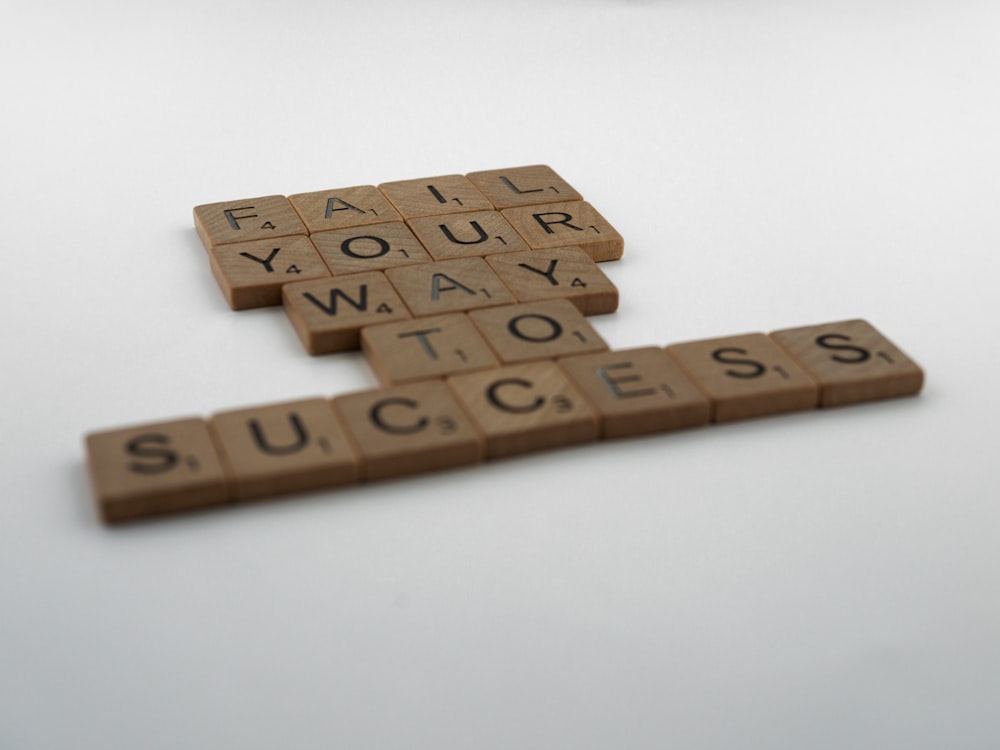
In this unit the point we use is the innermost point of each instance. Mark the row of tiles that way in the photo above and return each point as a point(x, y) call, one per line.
point(258, 244)
point(462, 419)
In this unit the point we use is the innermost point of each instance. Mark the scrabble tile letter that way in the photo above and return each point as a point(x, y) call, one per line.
point(157, 468)
point(537, 330)
point(282, 448)
point(523, 186)
point(566, 273)
point(328, 314)
point(746, 376)
point(576, 224)
point(244, 220)
point(449, 286)
point(525, 408)
point(251, 274)
point(409, 429)
point(431, 196)
point(852, 362)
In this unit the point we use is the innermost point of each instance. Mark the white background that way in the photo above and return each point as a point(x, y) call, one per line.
point(825, 580)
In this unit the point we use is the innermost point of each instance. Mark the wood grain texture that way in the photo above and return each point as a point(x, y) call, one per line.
point(277, 449)
point(524, 408)
point(328, 314)
point(150, 469)
point(537, 330)
point(247, 219)
point(567, 224)
point(340, 208)
point(523, 186)
point(431, 196)
point(251, 274)
point(471, 234)
point(449, 286)
point(430, 347)
point(852, 362)
point(370, 248)
point(409, 429)
point(637, 391)
point(560, 273)
point(746, 376)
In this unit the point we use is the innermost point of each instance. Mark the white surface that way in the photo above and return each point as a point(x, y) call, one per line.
point(822, 580)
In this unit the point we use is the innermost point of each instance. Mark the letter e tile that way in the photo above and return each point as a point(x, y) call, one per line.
point(408, 429)
point(746, 376)
point(251, 274)
point(637, 391)
point(282, 448)
point(852, 362)
point(524, 408)
point(155, 468)
point(425, 348)
point(328, 314)
point(244, 220)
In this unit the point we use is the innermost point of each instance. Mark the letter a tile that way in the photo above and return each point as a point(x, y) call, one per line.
point(524, 408)
point(343, 207)
point(746, 376)
point(449, 286)
point(155, 468)
point(328, 314)
point(280, 448)
point(408, 429)
point(852, 362)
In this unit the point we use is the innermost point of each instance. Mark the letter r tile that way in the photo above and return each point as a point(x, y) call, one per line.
point(248, 219)
point(155, 468)
point(328, 314)
point(408, 429)
point(851, 361)
point(524, 408)
point(281, 448)
point(568, 224)
point(746, 376)
point(523, 186)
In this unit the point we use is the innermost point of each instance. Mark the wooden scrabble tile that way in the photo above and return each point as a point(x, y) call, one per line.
point(251, 274)
point(281, 448)
point(746, 376)
point(244, 220)
point(475, 233)
point(430, 196)
point(523, 186)
point(851, 361)
point(637, 391)
point(537, 330)
point(449, 286)
point(560, 273)
point(328, 314)
point(425, 348)
point(155, 468)
point(572, 224)
point(343, 207)
point(370, 248)
point(523, 408)
point(408, 429)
